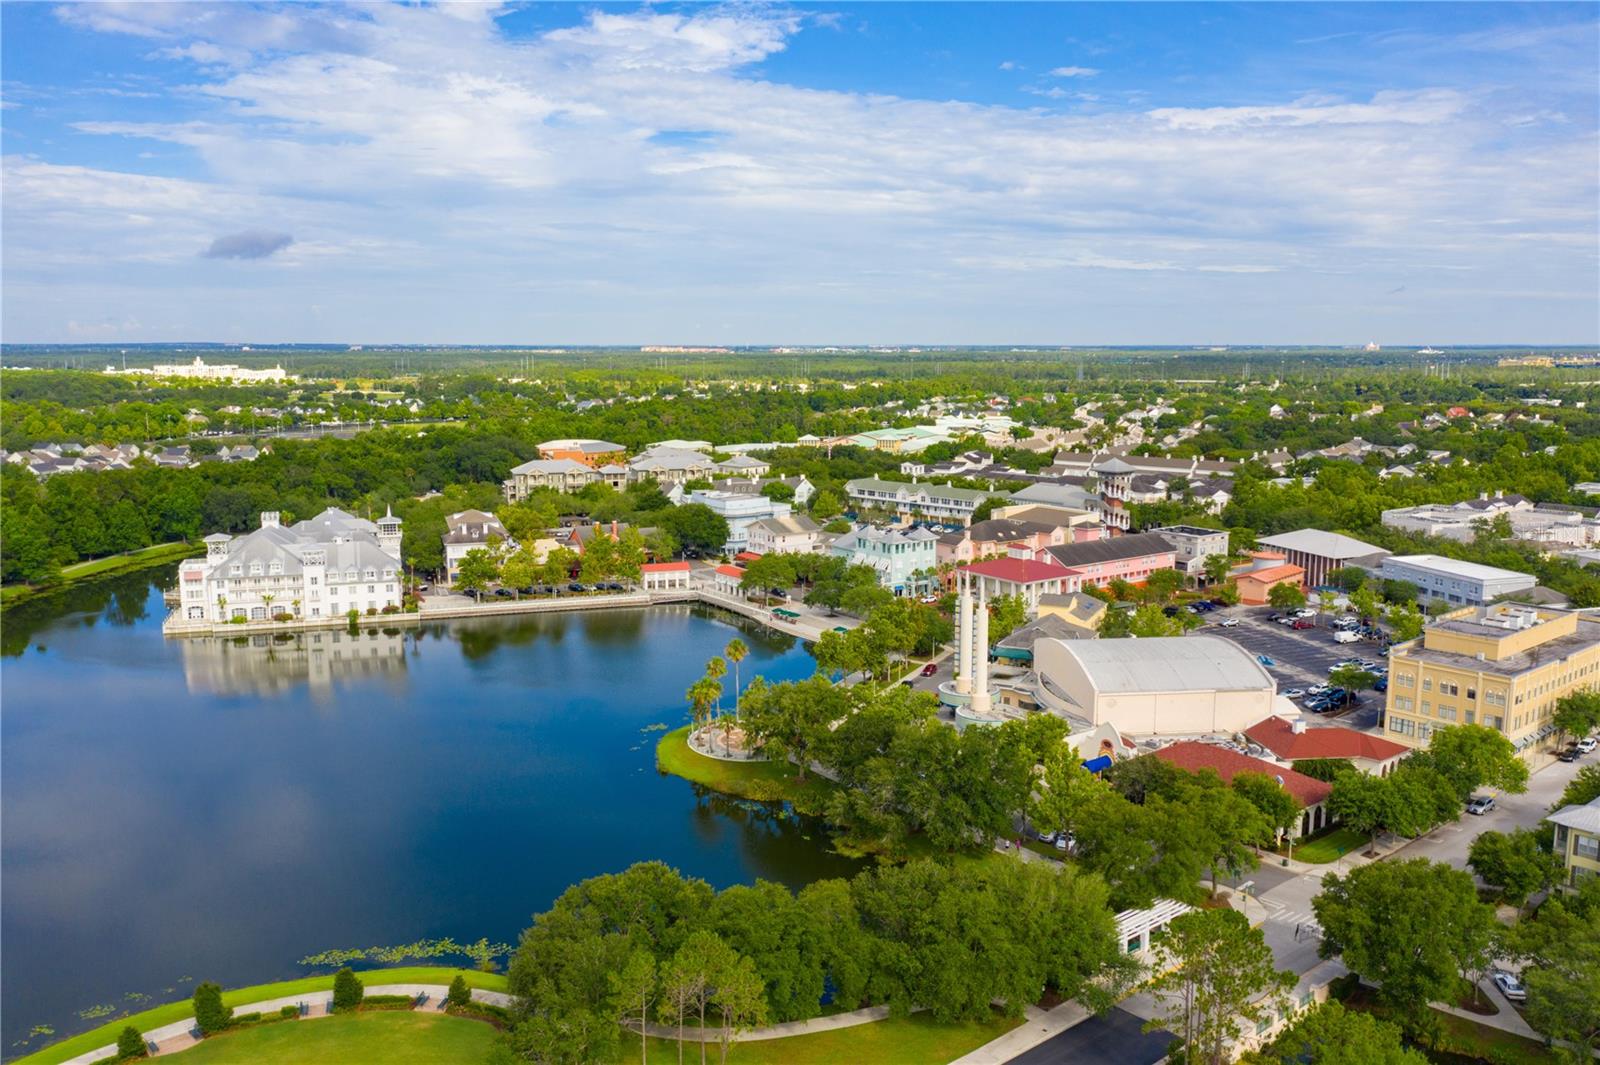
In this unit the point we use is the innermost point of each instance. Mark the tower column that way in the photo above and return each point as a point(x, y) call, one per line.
point(981, 704)
point(963, 635)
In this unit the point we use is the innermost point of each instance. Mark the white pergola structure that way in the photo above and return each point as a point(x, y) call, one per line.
point(1135, 927)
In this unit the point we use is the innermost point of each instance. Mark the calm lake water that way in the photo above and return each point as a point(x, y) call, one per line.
point(204, 810)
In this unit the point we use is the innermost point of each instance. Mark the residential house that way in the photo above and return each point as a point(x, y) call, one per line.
point(740, 511)
point(1078, 609)
point(670, 466)
point(472, 530)
point(800, 485)
point(933, 502)
point(561, 475)
point(594, 453)
point(1194, 544)
point(788, 534)
point(904, 558)
point(995, 536)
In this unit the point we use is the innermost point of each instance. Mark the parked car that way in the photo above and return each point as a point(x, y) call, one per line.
point(1305, 612)
point(1286, 621)
point(1046, 837)
point(1265, 660)
point(778, 593)
point(930, 669)
point(1570, 754)
point(503, 593)
point(1229, 623)
point(1293, 693)
point(1510, 986)
point(1303, 623)
point(1587, 744)
point(1479, 805)
point(576, 587)
point(1346, 636)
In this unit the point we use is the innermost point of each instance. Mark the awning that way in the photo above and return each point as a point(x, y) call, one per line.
point(1098, 765)
point(1016, 654)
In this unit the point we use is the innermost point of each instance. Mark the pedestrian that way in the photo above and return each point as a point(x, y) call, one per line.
point(1297, 933)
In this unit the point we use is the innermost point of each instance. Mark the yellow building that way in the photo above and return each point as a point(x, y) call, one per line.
point(1503, 666)
point(1079, 609)
point(1577, 841)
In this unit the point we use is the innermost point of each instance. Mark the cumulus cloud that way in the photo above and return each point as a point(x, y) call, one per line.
point(1074, 72)
point(248, 244)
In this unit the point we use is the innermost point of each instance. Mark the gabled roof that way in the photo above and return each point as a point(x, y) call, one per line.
point(1323, 544)
point(1112, 550)
point(1194, 756)
point(731, 571)
point(1018, 570)
point(1277, 735)
point(1585, 818)
point(1270, 574)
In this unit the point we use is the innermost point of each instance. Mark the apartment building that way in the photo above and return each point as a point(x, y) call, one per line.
point(562, 475)
point(1577, 842)
point(933, 502)
point(582, 449)
point(1503, 666)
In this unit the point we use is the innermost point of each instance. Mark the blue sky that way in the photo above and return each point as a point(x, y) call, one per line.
point(938, 173)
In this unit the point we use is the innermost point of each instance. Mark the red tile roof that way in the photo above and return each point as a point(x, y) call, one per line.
point(663, 567)
point(1277, 736)
point(1269, 574)
point(1193, 756)
point(747, 556)
point(731, 571)
point(1018, 570)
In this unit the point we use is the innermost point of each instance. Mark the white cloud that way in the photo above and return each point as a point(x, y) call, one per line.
point(445, 179)
point(1074, 72)
point(1008, 65)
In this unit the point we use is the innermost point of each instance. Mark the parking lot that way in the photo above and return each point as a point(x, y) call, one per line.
point(1301, 657)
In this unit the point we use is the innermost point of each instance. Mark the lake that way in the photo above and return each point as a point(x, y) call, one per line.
point(176, 811)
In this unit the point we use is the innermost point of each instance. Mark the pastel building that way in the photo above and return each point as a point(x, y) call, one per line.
point(1577, 842)
point(740, 511)
point(1099, 562)
point(904, 558)
point(932, 502)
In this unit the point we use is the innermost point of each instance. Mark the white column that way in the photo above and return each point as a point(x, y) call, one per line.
point(981, 703)
point(963, 635)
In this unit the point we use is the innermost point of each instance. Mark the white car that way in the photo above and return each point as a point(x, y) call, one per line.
point(1305, 612)
point(1587, 744)
point(1228, 623)
point(1293, 693)
point(1510, 986)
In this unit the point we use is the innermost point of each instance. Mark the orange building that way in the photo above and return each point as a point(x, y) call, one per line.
point(1267, 570)
point(594, 453)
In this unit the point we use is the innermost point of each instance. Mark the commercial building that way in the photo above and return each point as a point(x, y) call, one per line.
point(995, 536)
point(1311, 793)
point(1129, 558)
point(322, 567)
point(201, 370)
point(1192, 545)
point(471, 530)
point(1264, 572)
point(1503, 666)
point(1023, 577)
point(1293, 741)
point(904, 558)
point(933, 502)
point(794, 534)
point(1577, 842)
point(1524, 520)
point(664, 576)
point(740, 512)
point(1168, 686)
point(1453, 581)
point(581, 449)
point(561, 475)
point(1319, 553)
point(1078, 609)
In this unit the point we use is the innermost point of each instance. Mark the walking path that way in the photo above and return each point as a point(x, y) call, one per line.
point(171, 1038)
point(1038, 1026)
point(831, 1023)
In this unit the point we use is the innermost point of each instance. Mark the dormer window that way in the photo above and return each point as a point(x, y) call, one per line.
point(255, 569)
point(235, 569)
point(275, 567)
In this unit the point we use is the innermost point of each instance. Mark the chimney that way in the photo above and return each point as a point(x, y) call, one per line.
point(1297, 727)
point(269, 519)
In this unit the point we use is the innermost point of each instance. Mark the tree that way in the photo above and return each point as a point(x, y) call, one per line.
point(702, 695)
point(1150, 621)
point(1216, 568)
point(1066, 791)
point(1007, 613)
point(1414, 928)
point(825, 505)
point(477, 571)
point(1475, 756)
point(347, 989)
point(741, 1002)
point(1329, 1034)
point(736, 652)
point(1217, 978)
point(210, 1015)
point(130, 1044)
point(1577, 713)
point(1227, 824)
point(1406, 621)
point(1346, 578)
point(696, 527)
point(634, 988)
point(459, 994)
point(788, 720)
point(1562, 946)
point(1515, 862)
point(681, 986)
point(1163, 584)
point(1324, 769)
point(1365, 803)
point(558, 563)
point(985, 508)
point(1286, 595)
point(1228, 593)
point(1352, 679)
point(1581, 789)
point(519, 570)
point(1271, 799)
point(698, 967)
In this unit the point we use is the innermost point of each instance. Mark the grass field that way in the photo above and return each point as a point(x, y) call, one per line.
point(1331, 847)
point(177, 1011)
point(12, 594)
point(392, 1038)
point(916, 1040)
point(764, 781)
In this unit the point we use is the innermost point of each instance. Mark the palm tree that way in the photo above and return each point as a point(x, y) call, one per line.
point(222, 608)
point(266, 602)
point(701, 694)
point(736, 651)
point(716, 669)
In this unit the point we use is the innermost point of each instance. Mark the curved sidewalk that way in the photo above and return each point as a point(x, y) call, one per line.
point(171, 1038)
point(866, 1015)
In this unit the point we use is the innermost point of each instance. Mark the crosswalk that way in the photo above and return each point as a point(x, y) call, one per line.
point(1304, 919)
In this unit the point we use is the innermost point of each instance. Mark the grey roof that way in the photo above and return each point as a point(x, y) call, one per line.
point(1585, 818)
point(1112, 465)
point(1059, 495)
point(548, 466)
point(1118, 547)
point(788, 524)
point(1168, 664)
point(1320, 543)
point(1046, 625)
point(1455, 567)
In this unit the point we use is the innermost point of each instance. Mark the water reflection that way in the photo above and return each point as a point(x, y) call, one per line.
point(269, 664)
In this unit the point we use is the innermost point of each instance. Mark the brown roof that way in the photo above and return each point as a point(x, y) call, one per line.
point(1278, 736)
point(1194, 756)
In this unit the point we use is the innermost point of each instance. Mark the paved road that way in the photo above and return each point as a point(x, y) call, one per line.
point(1117, 1038)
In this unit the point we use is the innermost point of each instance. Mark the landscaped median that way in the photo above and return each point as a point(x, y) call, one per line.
point(762, 781)
point(106, 1034)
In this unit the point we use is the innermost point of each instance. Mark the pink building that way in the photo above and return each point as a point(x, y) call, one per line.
point(1024, 577)
point(1130, 558)
point(998, 536)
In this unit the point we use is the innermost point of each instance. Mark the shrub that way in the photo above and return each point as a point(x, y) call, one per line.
point(240, 1019)
point(388, 1002)
point(130, 1044)
point(237, 619)
point(459, 994)
point(210, 1015)
point(372, 611)
point(287, 1012)
point(347, 989)
point(498, 1016)
point(390, 608)
point(283, 615)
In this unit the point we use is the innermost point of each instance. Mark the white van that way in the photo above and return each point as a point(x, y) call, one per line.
point(1346, 637)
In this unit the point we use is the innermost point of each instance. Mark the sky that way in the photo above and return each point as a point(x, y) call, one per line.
point(902, 173)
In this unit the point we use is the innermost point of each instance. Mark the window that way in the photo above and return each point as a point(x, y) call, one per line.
point(1427, 684)
point(1447, 713)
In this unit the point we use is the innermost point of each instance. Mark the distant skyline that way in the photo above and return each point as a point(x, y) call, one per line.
point(550, 174)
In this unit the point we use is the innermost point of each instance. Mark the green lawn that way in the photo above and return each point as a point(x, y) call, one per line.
point(12, 594)
point(177, 1011)
point(390, 1038)
point(916, 1040)
point(1331, 847)
point(764, 781)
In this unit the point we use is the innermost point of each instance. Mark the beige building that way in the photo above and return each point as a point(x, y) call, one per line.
point(1166, 686)
point(1577, 842)
point(563, 475)
point(1503, 666)
point(1079, 609)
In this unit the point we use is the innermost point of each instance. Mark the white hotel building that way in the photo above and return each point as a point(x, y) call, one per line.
point(323, 567)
